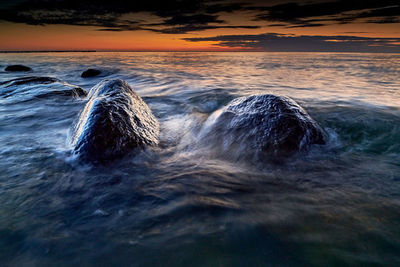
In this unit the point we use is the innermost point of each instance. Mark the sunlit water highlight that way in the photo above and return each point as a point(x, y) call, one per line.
point(178, 204)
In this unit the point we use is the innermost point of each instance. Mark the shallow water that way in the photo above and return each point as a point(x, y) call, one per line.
point(179, 205)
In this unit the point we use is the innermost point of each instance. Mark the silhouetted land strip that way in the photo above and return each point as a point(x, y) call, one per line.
point(50, 51)
point(195, 51)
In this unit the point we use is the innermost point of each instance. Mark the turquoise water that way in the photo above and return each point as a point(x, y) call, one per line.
point(179, 204)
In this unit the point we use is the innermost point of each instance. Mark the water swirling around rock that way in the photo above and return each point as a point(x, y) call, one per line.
point(337, 204)
point(34, 87)
point(29, 80)
point(261, 126)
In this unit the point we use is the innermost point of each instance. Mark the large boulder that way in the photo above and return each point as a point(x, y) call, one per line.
point(90, 73)
point(15, 68)
point(261, 126)
point(114, 121)
point(29, 88)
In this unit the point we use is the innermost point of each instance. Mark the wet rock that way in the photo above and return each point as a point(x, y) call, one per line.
point(29, 80)
point(261, 126)
point(114, 121)
point(90, 73)
point(17, 68)
point(27, 88)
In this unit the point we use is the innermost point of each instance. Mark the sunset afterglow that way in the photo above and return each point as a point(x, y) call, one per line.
point(194, 26)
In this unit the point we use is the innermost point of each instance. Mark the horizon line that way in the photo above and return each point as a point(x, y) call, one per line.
point(191, 51)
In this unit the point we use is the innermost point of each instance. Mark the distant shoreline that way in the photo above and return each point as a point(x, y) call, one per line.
point(172, 51)
point(50, 51)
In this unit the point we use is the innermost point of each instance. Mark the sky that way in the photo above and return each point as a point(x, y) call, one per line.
point(201, 25)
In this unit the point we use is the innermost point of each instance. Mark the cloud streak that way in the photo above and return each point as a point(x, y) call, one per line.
point(275, 42)
point(321, 13)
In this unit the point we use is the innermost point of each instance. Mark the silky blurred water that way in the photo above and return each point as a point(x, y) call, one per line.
point(177, 205)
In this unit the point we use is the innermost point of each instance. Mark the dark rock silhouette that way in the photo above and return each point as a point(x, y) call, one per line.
point(17, 68)
point(90, 73)
point(30, 79)
point(26, 88)
point(114, 121)
point(261, 126)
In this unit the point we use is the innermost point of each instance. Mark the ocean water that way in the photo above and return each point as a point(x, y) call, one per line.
point(176, 205)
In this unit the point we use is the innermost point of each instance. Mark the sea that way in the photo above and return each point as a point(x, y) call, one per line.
point(180, 205)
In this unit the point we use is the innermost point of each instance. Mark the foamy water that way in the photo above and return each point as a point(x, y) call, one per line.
point(179, 204)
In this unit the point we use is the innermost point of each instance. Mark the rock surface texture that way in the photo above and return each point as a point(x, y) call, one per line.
point(114, 121)
point(261, 126)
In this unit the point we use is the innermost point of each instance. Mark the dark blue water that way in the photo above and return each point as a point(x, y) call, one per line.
point(179, 204)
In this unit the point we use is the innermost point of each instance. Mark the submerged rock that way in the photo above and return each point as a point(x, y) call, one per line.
point(17, 68)
point(261, 126)
point(30, 79)
point(114, 121)
point(90, 73)
point(26, 88)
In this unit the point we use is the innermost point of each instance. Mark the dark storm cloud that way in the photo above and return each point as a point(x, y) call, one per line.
point(191, 28)
point(321, 13)
point(192, 19)
point(180, 24)
point(182, 16)
point(178, 16)
point(280, 42)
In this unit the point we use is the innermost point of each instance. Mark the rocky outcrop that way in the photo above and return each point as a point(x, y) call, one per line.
point(30, 80)
point(114, 121)
point(15, 68)
point(90, 73)
point(261, 126)
point(26, 88)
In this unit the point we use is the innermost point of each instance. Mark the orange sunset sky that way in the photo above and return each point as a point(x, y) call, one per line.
point(209, 26)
